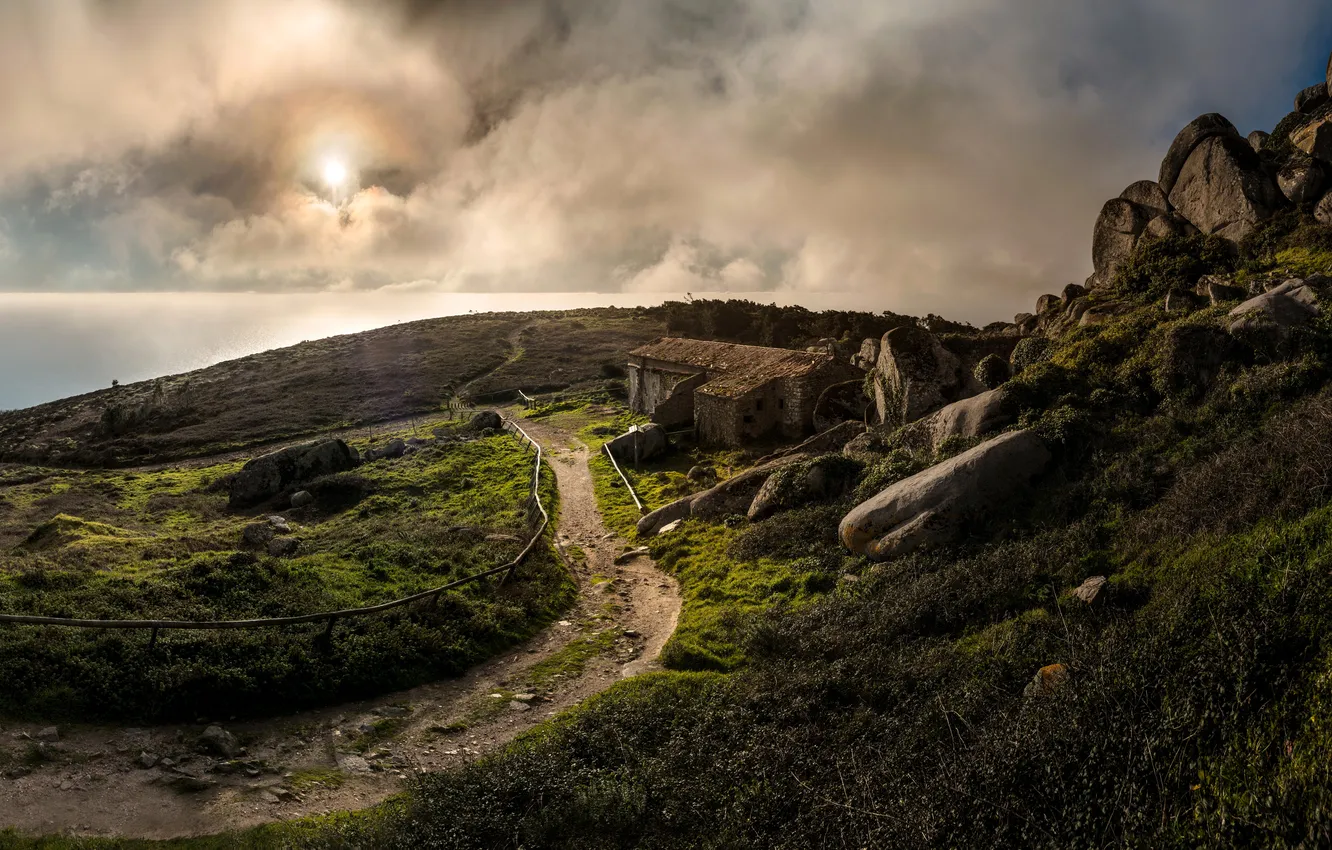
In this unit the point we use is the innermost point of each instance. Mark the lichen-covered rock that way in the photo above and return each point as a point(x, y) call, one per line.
point(1046, 303)
point(1097, 314)
point(1218, 290)
point(1302, 179)
point(1223, 189)
point(736, 494)
point(1116, 234)
point(867, 356)
point(218, 741)
point(971, 417)
point(391, 450)
point(265, 477)
point(1258, 140)
point(639, 443)
point(1170, 224)
point(1271, 316)
point(1197, 131)
point(915, 375)
point(802, 483)
point(1315, 138)
point(1323, 211)
point(1071, 293)
point(1149, 196)
point(486, 419)
point(1047, 681)
point(1181, 301)
point(1313, 98)
point(930, 508)
point(301, 499)
point(653, 522)
point(1089, 590)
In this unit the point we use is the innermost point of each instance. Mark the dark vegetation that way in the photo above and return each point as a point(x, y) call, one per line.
point(162, 545)
point(840, 704)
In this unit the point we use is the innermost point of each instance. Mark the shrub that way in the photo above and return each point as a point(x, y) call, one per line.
point(992, 371)
point(1173, 262)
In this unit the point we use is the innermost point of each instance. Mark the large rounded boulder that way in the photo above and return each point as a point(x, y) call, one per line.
point(1196, 132)
point(931, 508)
point(915, 375)
point(265, 477)
point(1224, 190)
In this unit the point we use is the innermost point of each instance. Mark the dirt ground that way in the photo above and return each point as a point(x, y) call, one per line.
point(156, 782)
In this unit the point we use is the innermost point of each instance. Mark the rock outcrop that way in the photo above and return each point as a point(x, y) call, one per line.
point(1315, 138)
point(486, 419)
point(1302, 179)
point(971, 417)
point(265, 477)
point(1222, 188)
point(930, 508)
point(802, 483)
point(915, 375)
point(1271, 316)
point(1312, 99)
point(1196, 132)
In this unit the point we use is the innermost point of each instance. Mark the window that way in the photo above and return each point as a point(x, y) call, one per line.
point(781, 404)
point(749, 420)
point(758, 405)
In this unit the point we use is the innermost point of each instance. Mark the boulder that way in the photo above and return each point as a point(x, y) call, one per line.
point(1029, 326)
point(799, 484)
point(915, 375)
point(1022, 318)
point(486, 419)
point(842, 402)
point(932, 507)
point(653, 522)
point(736, 494)
point(1147, 195)
point(673, 525)
point(1273, 314)
point(1170, 224)
point(283, 547)
point(1223, 189)
point(971, 417)
point(1046, 303)
point(265, 477)
point(218, 741)
point(1217, 290)
point(1313, 98)
point(1116, 234)
point(1202, 128)
point(1191, 358)
point(1323, 212)
point(867, 356)
point(1097, 314)
point(1071, 293)
point(393, 449)
point(49, 734)
point(1048, 680)
point(701, 473)
point(301, 499)
point(257, 534)
point(871, 445)
point(1258, 140)
point(1302, 179)
point(639, 443)
point(1315, 138)
point(1089, 589)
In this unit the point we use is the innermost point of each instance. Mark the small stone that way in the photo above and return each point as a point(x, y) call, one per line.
point(631, 633)
point(524, 697)
point(519, 706)
point(1047, 680)
point(146, 760)
point(167, 762)
point(269, 797)
point(218, 741)
point(302, 498)
point(50, 733)
point(1090, 589)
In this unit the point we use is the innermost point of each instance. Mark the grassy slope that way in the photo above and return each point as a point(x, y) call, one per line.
point(373, 376)
point(163, 545)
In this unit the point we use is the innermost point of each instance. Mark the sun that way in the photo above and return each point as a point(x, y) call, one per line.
point(335, 173)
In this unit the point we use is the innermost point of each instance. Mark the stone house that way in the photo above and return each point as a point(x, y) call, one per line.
point(730, 393)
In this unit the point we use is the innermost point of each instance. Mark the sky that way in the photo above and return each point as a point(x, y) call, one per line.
point(946, 157)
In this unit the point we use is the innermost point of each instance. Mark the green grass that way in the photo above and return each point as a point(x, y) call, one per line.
point(162, 545)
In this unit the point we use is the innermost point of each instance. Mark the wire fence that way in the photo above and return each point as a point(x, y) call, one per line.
point(605, 447)
point(536, 515)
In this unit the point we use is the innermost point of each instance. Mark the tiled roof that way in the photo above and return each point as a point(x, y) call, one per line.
point(737, 369)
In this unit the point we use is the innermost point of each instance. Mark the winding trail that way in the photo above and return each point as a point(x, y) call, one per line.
point(96, 785)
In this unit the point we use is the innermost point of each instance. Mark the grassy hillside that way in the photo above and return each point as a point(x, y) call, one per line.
point(162, 545)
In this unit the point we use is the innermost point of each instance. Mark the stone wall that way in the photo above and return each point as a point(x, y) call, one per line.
point(653, 382)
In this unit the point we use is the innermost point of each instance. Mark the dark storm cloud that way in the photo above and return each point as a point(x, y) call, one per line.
point(948, 156)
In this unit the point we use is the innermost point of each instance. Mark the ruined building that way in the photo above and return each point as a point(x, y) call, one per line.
point(731, 393)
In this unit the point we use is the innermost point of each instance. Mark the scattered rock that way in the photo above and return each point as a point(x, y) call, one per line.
point(670, 526)
point(515, 705)
point(1045, 304)
point(736, 494)
point(1180, 301)
point(1096, 314)
point(1315, 138)
point(486, 419)
point(626, 557)
point(1323, 212)
point(146, 760)
point(1218, 291)
point(1270, 317)
point(1071, 293)
point(655, 521)
point(702, 473)
point(1090, 589)
point(257, 534)
point(971, 417)
point(50, 734)
point(392, 450)
point(867, 356)
point(524, 697)
point(262, 478)
point(283, 547)
point(1258, 140)
point(1047, 681)
point(930, 508)
point(188, 783)
point(302, 498)
point(801, 483)
point(219, 741)
point(1223, 189)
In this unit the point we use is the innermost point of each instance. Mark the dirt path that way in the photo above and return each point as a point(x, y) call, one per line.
point(155, 782)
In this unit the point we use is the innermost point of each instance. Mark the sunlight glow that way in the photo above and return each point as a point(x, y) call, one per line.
point(335, 173)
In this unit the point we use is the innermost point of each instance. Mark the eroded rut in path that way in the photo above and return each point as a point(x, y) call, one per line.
point(154, 782)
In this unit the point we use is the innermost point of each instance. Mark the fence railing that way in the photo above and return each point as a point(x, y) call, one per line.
point(534, 510)
point(605, 447)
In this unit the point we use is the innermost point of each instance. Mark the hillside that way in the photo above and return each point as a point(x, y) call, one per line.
point(1073, 588)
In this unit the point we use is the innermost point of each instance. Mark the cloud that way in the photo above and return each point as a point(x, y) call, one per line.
point(946, 157)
